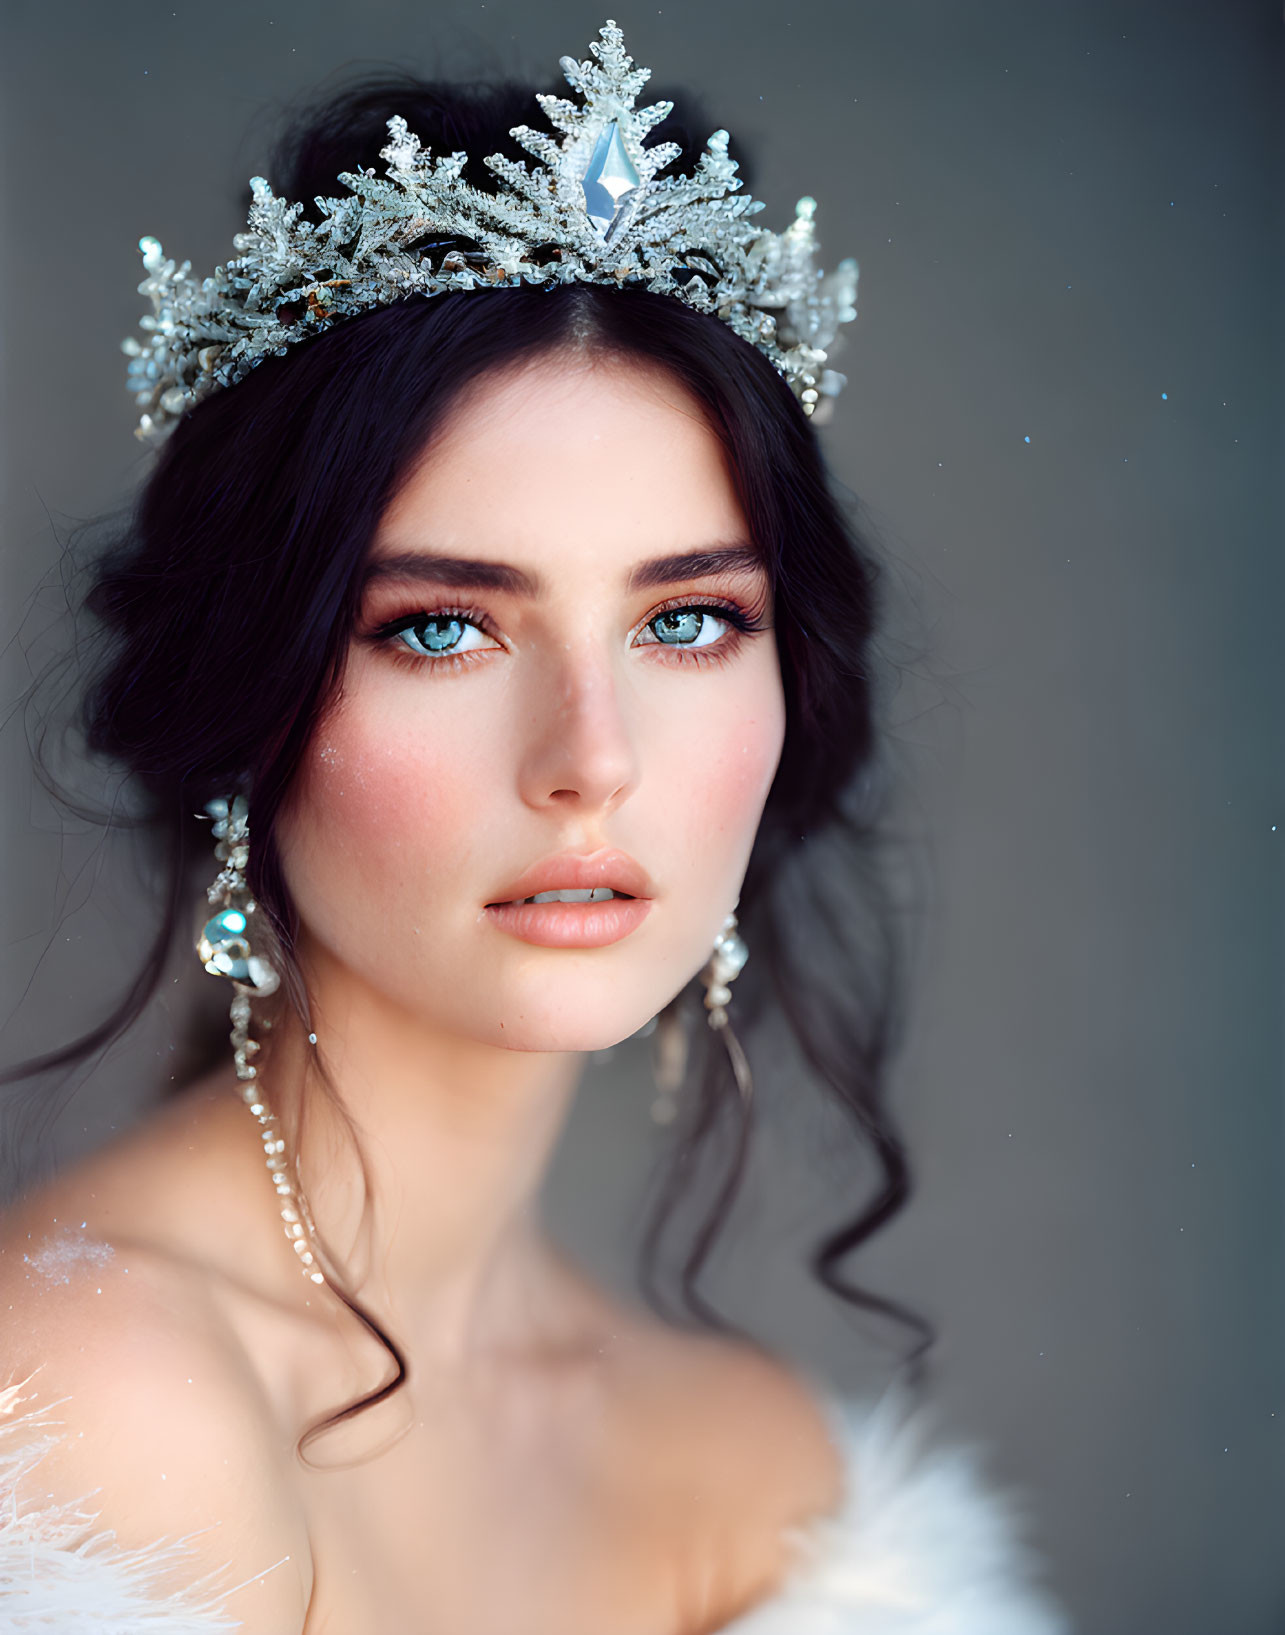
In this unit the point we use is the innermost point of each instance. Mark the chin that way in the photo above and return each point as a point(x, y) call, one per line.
point(553, 1035)
point(582, 1017)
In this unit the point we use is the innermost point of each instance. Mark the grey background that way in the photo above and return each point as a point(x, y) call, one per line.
point(1062, 212)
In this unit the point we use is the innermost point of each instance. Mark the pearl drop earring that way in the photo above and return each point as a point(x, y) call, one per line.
point(669, 1056)
point(725, 964)
point(225, 950)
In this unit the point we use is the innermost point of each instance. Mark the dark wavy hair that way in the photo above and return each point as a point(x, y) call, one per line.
point(243, 554)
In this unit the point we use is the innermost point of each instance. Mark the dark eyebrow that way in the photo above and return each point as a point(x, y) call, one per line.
point(467, 573)
point(735, 558)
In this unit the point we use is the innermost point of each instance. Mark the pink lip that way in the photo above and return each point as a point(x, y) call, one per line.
point(571, 925)
point(577, 871)
point(575, 925)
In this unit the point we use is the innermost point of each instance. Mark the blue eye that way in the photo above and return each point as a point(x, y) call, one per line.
point(686, 625)
point(695, 632)
point(432, 635)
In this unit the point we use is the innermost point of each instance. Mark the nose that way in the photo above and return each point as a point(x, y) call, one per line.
point(580, 748)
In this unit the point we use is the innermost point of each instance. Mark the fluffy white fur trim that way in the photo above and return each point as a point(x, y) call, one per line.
point(922, 1544)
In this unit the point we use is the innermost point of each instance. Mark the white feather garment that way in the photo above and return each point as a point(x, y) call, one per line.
point(921, 1546)
point(59, 1575)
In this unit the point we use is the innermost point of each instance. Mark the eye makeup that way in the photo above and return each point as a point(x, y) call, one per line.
point(392, 634)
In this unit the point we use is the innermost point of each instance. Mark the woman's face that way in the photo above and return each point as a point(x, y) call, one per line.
point(567, 706)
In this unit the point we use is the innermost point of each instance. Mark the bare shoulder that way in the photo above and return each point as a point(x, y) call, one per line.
point(743, 1430)
point(159, 1430)
point(773, 1431)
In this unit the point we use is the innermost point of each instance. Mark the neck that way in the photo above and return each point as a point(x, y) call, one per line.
point(423, 1168)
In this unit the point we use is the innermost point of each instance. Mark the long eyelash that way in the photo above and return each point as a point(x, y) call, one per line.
point(384, 635)
point(744, 621)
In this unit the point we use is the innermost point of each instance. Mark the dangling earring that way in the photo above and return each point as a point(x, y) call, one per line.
point(225, 949)
point(224, 946)
point(725, 965)
point(669, 1053)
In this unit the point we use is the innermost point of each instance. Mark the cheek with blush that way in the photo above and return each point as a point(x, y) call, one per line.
point(738, 760)
point(378, 818)
point(750, 757)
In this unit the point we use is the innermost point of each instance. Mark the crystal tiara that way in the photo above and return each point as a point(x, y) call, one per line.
point(591, 210)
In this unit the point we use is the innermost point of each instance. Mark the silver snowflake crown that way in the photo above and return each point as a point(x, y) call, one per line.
point(591, 210)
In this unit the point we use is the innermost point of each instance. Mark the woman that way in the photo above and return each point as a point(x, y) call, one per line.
point(436, 606)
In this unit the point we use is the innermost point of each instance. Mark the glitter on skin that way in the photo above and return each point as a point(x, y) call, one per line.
point(57, 1258)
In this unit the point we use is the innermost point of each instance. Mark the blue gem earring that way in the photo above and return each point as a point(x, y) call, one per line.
point(224, 946)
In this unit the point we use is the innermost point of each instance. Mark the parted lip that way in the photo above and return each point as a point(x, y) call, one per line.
point(578, 871)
